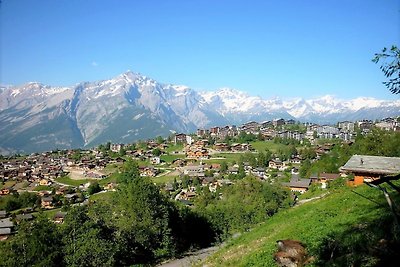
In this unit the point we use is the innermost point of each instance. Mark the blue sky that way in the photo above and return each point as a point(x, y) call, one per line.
point(268, 48)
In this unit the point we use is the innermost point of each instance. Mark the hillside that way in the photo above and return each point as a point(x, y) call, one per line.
point(349, 224)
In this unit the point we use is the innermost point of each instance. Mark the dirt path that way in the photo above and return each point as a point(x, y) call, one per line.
point(300, 202)
point(192, 258)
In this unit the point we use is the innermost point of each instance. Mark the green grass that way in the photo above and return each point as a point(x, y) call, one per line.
point(348, 216)
point(228, 157)
point(102, 197)
point(111, 168)
point(170, 158)
point(68, 181)
point(164, 179)
point(8, 184)
point(42, 188)
point(110, 179)
point(172, 148)
point(50, 213)
point(270, 145)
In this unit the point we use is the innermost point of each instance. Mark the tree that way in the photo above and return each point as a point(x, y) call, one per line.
point(156, 152)
point(94, 188)
point(36, 244)
point(86, 243)
point(130, 171)
point(142, 222)
point(390, 67)
point(224, 167)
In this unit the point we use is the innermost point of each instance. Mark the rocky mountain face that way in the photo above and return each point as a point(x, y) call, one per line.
point(129, 107)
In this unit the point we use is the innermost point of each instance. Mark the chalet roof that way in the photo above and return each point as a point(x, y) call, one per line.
point(372, 164)
point(5, 231)
point(329, 176)
point(295, 182)
point(6, 223)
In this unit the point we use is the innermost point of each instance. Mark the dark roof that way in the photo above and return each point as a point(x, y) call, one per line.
point(295, 182)
point(372, 164)
point(27, 216)
point(329, 176)
point(6, 223)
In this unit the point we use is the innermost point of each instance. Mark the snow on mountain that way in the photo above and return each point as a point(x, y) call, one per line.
point(131, 106)
point(229, 101)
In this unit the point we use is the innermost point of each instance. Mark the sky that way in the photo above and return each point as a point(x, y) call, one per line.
point(279, 48)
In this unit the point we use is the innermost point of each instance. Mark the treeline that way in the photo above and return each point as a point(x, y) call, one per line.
point(140, 225)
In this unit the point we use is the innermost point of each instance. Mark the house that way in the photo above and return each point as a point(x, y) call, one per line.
point(259, 172)
point(297, 184)
point(371, 168)
point(233, 170)
point(197, 153)
point(6, 226)
point(275, 164)
point(149, 171)
point(324, 178)
point(110, 186)
point(278, 122)
point(116, 147)
point(180, 138)
point(194, 170)
point(221, 147)
point(47, 202)
point(155, 160)
point(44, 182)
point(295, 160)
point(5, 191)
point(59, 217)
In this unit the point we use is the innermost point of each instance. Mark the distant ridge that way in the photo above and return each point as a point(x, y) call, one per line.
point(131, 106)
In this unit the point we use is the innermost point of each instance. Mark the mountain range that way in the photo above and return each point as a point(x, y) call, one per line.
point(37, 117)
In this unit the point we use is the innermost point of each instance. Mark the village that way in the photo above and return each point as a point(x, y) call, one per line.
point(182, 164)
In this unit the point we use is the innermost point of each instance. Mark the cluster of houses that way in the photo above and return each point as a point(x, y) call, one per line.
point(43, 169)
point(344, 130)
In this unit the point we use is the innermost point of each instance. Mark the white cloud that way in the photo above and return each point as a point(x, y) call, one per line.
point(94, 64)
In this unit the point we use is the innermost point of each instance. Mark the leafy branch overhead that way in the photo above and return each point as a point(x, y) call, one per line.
point(390, 59)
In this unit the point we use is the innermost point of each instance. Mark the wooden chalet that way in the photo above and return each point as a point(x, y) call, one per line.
point(371, 168)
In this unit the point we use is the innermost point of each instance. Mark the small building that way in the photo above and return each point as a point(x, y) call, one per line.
point(370, 168)
point(47, 202)
point(6, 226)
point(59, 217)
point(180, 138)
point(298, 185)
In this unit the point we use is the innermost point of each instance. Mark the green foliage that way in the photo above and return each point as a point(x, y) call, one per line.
point(94, 188)
point(247, 202)
point(37, 244)
point(390, 67)
point(131, 171)
point(17, 201)
point(224, 167)
point(156, 152)
point(86, 243)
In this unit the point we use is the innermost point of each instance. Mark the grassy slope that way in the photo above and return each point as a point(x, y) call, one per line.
point(342, 211)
